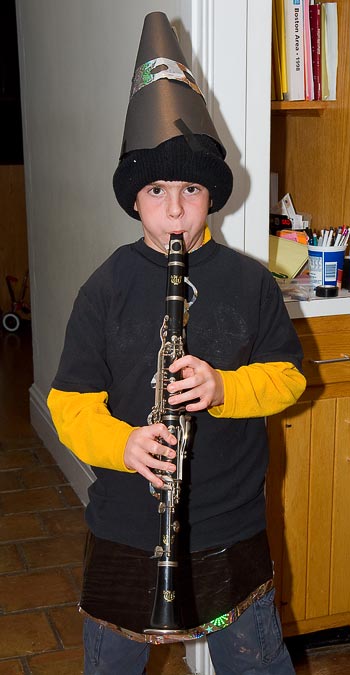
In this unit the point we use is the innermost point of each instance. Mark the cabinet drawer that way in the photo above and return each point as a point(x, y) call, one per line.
point(326, 345)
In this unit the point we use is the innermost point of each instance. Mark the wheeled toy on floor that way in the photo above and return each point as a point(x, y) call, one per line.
point(20, 309)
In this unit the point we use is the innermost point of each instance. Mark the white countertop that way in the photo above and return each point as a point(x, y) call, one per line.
point(299, 309)
point(301, 301)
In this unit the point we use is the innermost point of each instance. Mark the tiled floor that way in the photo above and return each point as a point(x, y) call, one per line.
point(42, 533)
point(41, 537)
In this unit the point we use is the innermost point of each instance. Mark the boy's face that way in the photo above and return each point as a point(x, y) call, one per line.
point(172, 207)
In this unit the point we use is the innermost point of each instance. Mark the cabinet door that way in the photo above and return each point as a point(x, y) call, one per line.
point(308, 512)
point(340, 546)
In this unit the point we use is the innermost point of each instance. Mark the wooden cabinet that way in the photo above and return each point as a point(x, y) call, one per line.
point(308, 485)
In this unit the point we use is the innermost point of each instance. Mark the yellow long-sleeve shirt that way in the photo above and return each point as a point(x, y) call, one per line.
point(85, 425)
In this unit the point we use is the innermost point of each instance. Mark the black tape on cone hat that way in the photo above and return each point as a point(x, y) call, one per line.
point(166, 105)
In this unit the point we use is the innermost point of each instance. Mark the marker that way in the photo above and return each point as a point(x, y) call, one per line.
point(309, 234)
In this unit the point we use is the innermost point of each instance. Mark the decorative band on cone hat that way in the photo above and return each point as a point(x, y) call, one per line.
point(168, 134)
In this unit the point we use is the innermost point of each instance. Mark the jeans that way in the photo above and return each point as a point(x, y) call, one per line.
point(252, 645)
point(108, 653)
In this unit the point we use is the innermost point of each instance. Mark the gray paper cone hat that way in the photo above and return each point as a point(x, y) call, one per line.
point(168, 134)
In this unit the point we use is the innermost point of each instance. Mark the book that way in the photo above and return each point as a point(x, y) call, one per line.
point(282, 44)
point(304, 50)
point(294, 35)
point(324, 73)
point(331, 47)
point(276, 75)
point(279, 72)
point(315, 32)
point(309, 81)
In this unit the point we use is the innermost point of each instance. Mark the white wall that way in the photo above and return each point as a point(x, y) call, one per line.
point(76, 62)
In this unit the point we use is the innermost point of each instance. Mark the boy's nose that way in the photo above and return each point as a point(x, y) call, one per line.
point(174, 207)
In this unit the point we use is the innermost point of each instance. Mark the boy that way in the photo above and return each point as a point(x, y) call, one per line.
point(242, 362)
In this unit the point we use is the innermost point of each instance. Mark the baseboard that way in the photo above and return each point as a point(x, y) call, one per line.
point(79, 475)
point(198, 657)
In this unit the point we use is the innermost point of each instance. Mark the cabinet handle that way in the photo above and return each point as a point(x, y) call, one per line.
point(344, 357)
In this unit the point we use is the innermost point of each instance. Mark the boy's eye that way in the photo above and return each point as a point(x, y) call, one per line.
point(155, 190)
point(192, 188)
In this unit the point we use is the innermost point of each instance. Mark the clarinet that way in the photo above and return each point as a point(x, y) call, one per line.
point(166, 615)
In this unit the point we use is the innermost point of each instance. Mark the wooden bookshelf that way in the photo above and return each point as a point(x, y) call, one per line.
point(310, 145)
point(303, 107)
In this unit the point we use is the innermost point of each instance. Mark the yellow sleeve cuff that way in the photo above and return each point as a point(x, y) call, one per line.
point(259, 390)
point(85, 426)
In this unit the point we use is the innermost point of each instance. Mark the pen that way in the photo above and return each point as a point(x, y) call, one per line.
point(345, 242)
point(279, 276)
point(338, 237)
point(328, 241)
point(344, 237)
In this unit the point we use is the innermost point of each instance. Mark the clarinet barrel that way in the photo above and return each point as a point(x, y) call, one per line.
point(166, 613)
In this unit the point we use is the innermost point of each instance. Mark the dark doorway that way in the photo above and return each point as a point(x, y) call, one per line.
point(11, 145)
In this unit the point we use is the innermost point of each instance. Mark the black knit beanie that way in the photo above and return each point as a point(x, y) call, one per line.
point(199, 160)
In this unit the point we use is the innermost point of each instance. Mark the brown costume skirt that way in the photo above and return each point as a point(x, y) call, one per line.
point(119, 581)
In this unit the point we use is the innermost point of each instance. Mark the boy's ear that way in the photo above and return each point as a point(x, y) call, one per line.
point(135, 206)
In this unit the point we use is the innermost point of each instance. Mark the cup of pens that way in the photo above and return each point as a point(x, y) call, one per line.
point(326, 258)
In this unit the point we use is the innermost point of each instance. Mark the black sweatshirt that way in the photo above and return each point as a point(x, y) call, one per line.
point(112, 342)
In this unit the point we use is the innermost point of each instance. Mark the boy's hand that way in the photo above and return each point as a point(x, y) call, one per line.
point(201, 384)
point(143, 445)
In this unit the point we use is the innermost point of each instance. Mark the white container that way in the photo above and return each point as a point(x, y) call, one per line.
point(326, 265)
